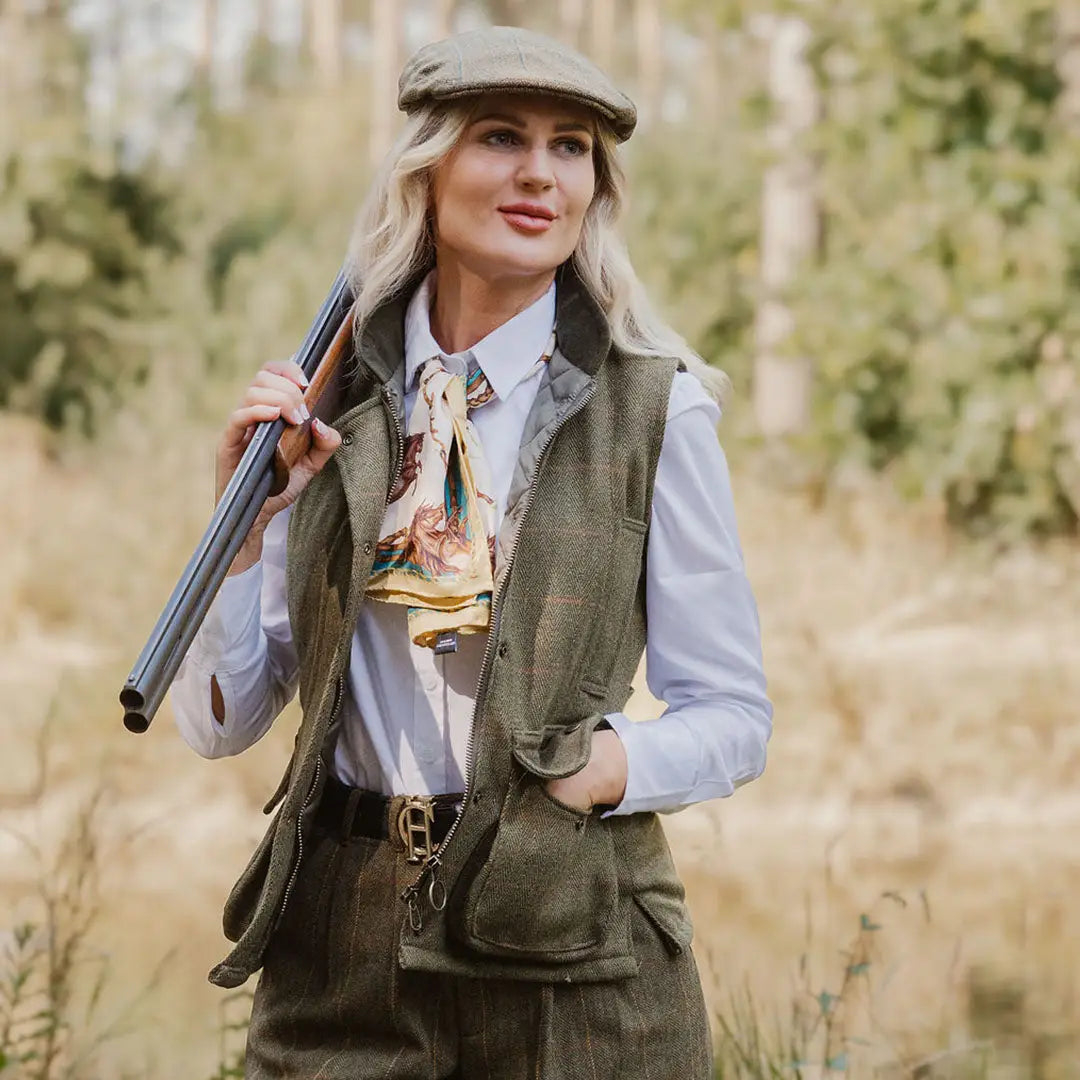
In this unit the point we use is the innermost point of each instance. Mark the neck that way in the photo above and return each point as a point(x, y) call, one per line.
point(469, 306)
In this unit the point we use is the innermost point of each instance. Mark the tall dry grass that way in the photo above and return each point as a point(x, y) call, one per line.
point(923, 748)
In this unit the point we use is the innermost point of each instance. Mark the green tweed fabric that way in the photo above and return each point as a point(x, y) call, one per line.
point(333, 1003)
point(509, 59)
point(536, 890)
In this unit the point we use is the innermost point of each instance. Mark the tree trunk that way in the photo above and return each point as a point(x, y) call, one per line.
point(263, 17)
point(789, 230)
point(603, 33)
point(445, 13)
point(205, 51)
point(506, 12)
point(708, 86)
point(1068, 33)
point(113, 49)
point(385, 34)
point(13, 66)
point(649, 30)
point(326, 35)
point(261, 61)
point(571, 18)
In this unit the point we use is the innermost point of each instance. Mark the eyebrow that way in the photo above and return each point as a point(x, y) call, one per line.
point(515, 121)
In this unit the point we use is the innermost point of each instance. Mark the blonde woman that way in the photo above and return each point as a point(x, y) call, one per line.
point(466, 875)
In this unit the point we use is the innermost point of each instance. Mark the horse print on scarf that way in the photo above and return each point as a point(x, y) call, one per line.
point(436, 550)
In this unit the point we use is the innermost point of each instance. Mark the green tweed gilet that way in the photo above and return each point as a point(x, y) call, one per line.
point(533, 889)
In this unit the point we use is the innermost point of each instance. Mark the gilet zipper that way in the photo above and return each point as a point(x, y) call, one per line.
point(307, 802)
point(400, 444)
point(340, 692)
point(431, 865)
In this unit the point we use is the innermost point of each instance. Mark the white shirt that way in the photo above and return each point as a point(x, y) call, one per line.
point(405, 719)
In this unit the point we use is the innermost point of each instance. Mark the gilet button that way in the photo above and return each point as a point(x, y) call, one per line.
point(367, 548)
point(503, 649)
point(347, 438)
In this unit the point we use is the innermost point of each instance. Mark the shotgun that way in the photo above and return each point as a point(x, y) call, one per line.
point(264, 468)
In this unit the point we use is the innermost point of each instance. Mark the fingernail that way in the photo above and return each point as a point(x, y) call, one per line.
point(319, 426)
point(304, 411)
point(304, 380)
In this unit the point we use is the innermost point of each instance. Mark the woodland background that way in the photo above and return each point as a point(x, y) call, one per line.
point(866, 211)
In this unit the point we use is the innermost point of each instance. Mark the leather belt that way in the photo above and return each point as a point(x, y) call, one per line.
point(421, 821)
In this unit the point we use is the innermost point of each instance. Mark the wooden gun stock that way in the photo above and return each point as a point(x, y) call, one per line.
point(321, 397)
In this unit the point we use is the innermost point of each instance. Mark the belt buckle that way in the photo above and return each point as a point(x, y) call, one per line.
point(414, 822)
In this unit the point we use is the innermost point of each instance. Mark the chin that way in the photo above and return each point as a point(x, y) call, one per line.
point(520, 262)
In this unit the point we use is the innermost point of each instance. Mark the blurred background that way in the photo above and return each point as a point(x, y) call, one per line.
point(866, 211)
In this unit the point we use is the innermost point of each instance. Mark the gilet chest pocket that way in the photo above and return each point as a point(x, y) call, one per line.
point(623, 581)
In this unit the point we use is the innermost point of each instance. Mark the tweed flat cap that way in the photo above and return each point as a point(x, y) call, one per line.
point(511, 60)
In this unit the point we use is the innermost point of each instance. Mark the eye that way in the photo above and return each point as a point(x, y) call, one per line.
point(494, 135)
point(577, 147)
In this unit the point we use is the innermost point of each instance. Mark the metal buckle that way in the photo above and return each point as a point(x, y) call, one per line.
point(414, 827)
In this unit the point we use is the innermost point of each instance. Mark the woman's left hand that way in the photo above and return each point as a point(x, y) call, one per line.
point(602, 780)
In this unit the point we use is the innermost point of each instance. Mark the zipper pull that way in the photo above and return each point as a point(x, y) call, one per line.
point(416, 919)
point(411, 892)
point(409, 895)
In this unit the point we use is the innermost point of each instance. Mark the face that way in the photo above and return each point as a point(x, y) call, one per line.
point(510, 198)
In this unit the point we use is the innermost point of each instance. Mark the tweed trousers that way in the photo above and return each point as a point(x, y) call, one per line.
point(332, 1002)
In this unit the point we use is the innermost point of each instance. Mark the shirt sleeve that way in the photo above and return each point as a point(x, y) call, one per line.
point(703, 655)
point(246, 641)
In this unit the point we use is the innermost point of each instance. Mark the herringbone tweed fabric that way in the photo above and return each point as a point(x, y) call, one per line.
point(332, 1002)
point(571, 628)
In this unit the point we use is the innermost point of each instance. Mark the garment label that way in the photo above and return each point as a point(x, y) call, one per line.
point(446, 642)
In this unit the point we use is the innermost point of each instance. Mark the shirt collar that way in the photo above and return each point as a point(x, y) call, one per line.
point(505, 355)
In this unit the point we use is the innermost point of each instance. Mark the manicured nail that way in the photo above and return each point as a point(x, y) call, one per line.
point(304, 414)
point(319, 426)
point(304, 380)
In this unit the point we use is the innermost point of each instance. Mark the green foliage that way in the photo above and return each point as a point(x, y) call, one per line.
point(939, 315)
point(821, 1032)
point(232, 1034)
point(52, 976)
point(77, 241)
point(246, 234)
point(950, 188)
point(693, 238)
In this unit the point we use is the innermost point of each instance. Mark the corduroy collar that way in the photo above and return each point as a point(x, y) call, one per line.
point(581, 327)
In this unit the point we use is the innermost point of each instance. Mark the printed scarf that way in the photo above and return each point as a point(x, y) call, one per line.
point(436, 550)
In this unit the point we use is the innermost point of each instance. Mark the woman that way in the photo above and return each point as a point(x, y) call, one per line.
point(466, 875)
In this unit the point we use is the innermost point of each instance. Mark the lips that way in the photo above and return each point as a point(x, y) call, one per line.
point(533, 210)
point(526, 218)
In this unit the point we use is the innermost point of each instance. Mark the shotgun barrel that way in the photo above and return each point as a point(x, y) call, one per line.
point(263, 470)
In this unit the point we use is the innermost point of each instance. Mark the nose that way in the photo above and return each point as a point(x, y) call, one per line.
point(535, 170)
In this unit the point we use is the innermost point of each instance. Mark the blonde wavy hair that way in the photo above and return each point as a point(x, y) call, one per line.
point(392, 240)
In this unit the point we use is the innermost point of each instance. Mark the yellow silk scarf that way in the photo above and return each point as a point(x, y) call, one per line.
point(436, 550)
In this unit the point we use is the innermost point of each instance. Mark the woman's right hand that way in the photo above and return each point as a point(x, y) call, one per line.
point(277, 390)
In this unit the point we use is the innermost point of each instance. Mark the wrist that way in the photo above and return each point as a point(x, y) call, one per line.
point(249, 554)
point(610, 755)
